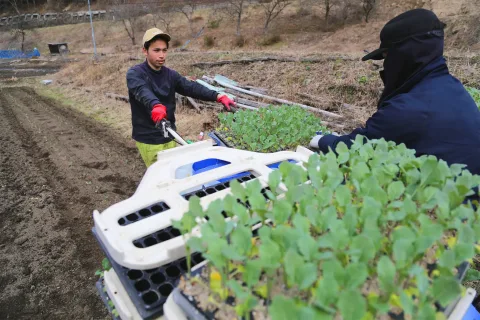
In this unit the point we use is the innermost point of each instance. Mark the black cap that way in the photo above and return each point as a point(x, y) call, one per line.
point(404, 26)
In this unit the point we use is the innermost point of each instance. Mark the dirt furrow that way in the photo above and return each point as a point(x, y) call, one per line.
point(56, 167)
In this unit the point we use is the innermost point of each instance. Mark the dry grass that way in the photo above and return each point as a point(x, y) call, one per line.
point(190, 123)
point(116, 114)
point(333, 81)
point(209, 41)
point(302, 30)
point(107, 75)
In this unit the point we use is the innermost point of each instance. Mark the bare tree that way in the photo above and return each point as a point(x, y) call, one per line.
point(349, 9)
point(129, 25)
point(19, 30)
point(272, 10)
point(236, 10)
point(346, 5)
point(368, 6)
point(22, 5)
point(308, 4)
point(328, 7)
point(326, 4)
point(166, 18)
point(188, 10)
point(130, 15)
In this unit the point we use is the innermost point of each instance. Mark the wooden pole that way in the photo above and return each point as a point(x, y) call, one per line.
point(193, 103)
point(326, 113)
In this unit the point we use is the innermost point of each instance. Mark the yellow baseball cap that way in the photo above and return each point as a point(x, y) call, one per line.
point(154, 32)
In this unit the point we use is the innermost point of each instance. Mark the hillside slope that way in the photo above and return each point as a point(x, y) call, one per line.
point(300, 28)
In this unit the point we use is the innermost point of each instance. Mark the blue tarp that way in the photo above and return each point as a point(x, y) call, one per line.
point(15, 54)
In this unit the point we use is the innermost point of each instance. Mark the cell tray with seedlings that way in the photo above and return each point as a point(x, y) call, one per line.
point(149, 289)
point(368, 232)
point(146, 250)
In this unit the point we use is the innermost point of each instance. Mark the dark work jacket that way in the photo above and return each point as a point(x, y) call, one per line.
point(428, 110)
point(147, 87)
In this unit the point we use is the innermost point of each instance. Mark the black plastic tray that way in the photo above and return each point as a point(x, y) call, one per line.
point(149, 289)
point(143, 213)
point(218, 187)
point(219, 139)
point(189, 305)
point(171, 232)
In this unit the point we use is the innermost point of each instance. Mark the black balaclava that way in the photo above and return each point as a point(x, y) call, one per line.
point(406, 58)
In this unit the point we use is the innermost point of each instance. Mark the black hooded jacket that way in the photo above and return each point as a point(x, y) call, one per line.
point(422, 106)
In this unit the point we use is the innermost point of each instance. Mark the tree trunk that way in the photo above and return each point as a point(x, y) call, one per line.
point(367, 14)
point(239, 20)
point(131, 34)
point(190, 24)
point(327, 11)
point(368, 7)
point(132, 26)
point(265, 27)
point(23, 39)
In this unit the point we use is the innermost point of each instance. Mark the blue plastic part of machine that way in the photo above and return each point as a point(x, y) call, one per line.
point(471, 314)
point(277, 164)
point(210, 164)
point(207, 165)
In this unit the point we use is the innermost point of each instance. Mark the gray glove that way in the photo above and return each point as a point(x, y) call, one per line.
point(315, 140)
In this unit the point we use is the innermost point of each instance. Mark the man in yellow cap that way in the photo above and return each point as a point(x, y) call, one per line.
point(151, 89)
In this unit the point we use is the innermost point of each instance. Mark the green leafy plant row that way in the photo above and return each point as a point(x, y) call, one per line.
point(358, 234)
point(475, 93)
point(269, 129)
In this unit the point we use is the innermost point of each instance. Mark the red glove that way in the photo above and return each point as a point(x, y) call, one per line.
point(159, 112)
point(226, 101)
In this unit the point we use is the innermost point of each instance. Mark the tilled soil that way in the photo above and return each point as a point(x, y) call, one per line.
point(56, 167)
point(21, 68)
